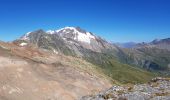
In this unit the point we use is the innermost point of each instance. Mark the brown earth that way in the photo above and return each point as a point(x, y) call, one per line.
point(29, 73)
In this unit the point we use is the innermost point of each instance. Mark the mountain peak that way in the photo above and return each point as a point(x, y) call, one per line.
point(79, 34)
point(75, 29)
point(67, 28)
point(80, 29)
point(155, 41)
point(26, 36)
point(71, 36)
point(159, 41)
point(76, 33)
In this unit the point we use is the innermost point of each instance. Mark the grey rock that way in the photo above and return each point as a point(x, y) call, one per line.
point(154, 90)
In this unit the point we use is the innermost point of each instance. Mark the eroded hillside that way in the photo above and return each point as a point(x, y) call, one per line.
point(34, 74)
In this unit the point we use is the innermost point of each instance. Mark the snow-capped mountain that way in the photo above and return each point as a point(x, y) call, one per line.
point(75, 33)
point(73, 37)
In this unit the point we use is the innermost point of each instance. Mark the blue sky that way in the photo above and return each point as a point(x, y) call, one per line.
point(114, 20)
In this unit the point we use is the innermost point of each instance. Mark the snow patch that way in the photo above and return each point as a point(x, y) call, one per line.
point(23, 44)
point(79, 36)
point(65, 28)
point(83, 37)
point(50, 32)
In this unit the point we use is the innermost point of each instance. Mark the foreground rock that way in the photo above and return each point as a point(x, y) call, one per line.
point(157, 89)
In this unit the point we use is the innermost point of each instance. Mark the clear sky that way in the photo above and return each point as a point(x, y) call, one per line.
point(114, 20)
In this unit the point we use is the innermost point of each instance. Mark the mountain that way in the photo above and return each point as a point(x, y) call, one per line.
point(161, 41)
point(73, 37)
point(76, 42)
point(153, 56)
point(157, 43)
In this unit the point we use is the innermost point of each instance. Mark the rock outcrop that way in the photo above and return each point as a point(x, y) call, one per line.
point(156, 89)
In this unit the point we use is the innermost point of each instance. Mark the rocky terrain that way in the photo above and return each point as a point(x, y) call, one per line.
point(156, 89)
point(29, 73)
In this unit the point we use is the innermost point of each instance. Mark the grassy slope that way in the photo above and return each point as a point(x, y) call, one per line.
point(123, 73)
point(127, 74)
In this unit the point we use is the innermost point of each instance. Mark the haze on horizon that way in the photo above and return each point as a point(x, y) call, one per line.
point(114, 20)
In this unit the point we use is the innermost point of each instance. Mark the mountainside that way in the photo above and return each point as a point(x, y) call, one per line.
point(153, 56)
point(38, 74)
point(73, 38)
point(29, 73)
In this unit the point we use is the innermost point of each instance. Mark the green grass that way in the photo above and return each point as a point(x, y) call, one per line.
point(118, 71)
point(127, 74)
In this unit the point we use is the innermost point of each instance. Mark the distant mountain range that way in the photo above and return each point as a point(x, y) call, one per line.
point(151, 56)
point(126, 44)
point(160, 44)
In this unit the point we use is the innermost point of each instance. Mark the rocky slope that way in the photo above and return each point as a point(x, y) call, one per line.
point(29, 73)
point(156, 89)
